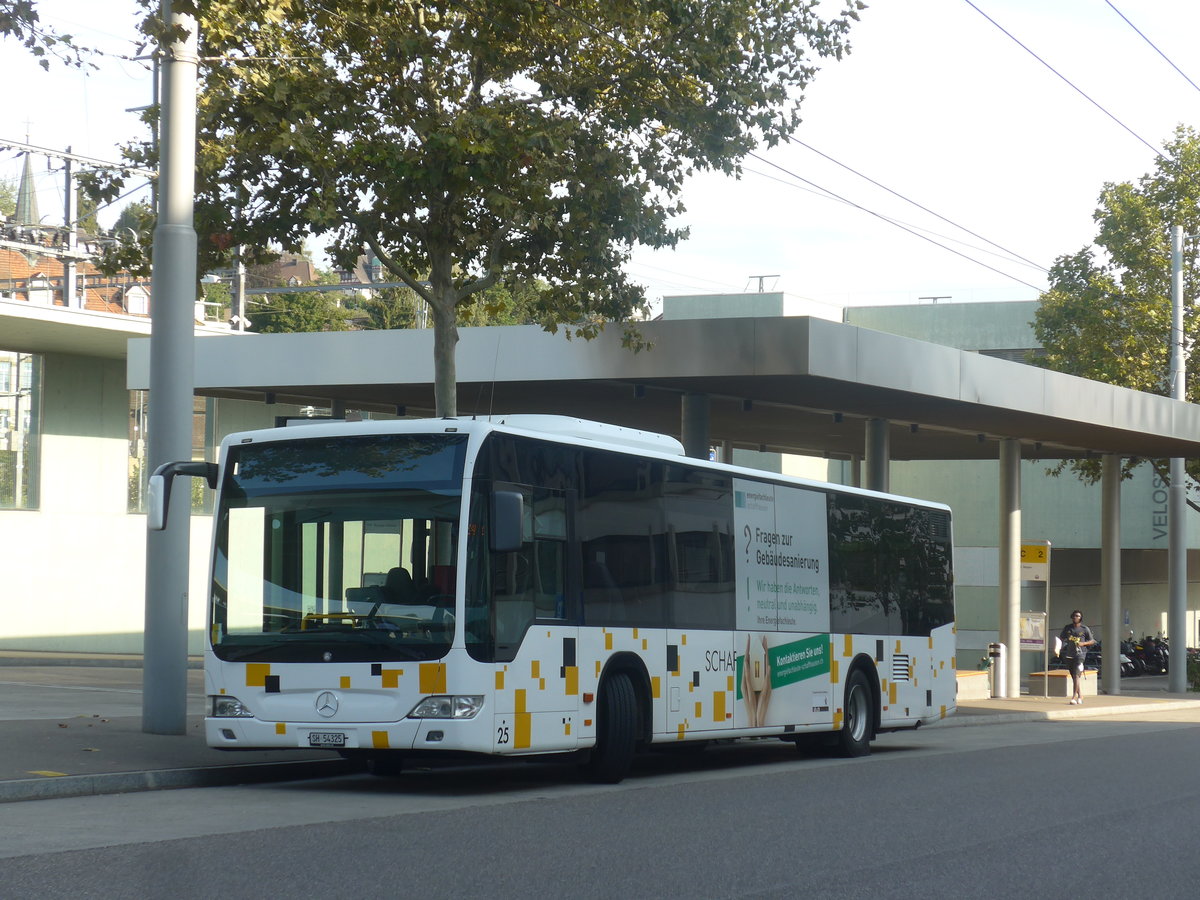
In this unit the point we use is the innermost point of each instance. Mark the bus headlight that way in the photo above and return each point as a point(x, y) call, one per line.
point(458, 706)
point(225, 707)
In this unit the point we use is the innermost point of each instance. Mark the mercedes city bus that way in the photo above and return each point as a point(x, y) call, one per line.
point(545, 585)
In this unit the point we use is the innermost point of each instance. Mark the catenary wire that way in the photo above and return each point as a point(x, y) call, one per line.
point(796, 140)
point(911, 230)
point(824, 195)
point(1071, 84)
point(902, 227)
point(630, 50)
point(1152, 44)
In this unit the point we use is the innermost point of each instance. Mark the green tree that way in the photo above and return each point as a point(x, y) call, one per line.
point(300, 311)
point(1107, 313)
point(217, 292)
point(507, 303)
point(86, 221)
point(469, 140)
point(8, 196)
point(19, 19)
point(135, 216)
point(388, 308)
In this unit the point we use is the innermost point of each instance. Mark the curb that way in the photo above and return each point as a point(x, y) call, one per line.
point(66, 786)
point(67, 659)
point(1097, 712)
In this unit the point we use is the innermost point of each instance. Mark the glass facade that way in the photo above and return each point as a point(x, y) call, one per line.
point(20, 428)
point(204, 447)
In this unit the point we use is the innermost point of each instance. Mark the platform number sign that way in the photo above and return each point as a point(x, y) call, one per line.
point(1035, 561)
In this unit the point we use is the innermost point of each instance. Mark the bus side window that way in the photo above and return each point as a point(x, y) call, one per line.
point(530, 583)
point(602, 595)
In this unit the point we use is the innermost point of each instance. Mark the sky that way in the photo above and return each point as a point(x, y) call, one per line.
point(934, 103)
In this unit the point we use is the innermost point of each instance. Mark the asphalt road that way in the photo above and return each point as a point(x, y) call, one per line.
point(1007, 810)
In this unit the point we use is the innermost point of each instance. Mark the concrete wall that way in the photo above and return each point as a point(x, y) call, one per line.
point(726, 306)
point(967, 326)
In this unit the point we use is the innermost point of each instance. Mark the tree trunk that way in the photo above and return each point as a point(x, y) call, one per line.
point(445, 345)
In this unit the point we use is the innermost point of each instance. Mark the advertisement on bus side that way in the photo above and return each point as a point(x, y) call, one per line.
point(782, 559)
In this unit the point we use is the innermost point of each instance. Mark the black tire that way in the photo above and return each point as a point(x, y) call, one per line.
point(858, 719)
point(616, 731)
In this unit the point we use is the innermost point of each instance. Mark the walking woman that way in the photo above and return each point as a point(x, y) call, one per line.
point(1076, 638)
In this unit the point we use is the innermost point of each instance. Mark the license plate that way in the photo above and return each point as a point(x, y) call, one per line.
point(326, 739)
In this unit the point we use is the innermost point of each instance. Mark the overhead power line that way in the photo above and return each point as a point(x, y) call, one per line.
point(908, 226)
point(23, 147)
point(1151, 43)
point(616, 41)
point(1018, 256)
point(1071, 84)
point(896, 224)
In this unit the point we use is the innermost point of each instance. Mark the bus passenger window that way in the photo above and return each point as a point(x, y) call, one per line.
point(530, 583)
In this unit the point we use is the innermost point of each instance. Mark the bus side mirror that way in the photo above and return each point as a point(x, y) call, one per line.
point(508, 509)
point(159, 499)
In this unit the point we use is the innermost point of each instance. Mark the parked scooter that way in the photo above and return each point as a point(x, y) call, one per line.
point(1153, 654)
point(1131, 664)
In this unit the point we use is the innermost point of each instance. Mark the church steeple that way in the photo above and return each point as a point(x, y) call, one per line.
point(27, 208)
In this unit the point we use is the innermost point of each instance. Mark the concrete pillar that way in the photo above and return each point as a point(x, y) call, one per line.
point(1110, 572)
point(1010, 561)
point(695, 423)
point(877, 454)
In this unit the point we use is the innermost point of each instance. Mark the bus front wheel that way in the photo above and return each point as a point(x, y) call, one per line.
point(857, 726)
point(616, 731)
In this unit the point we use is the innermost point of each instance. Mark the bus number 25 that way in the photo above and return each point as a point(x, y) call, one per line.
point(502, 735)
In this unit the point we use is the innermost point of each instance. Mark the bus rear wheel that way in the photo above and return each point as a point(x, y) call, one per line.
point(616, 731)
point(858, 719)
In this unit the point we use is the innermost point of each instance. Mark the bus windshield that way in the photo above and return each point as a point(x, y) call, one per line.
point(337, 549)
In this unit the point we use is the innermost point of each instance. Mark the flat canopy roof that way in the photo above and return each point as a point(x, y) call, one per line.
point(792, 384)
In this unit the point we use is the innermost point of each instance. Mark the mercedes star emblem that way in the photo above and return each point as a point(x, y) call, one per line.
point(327, 704)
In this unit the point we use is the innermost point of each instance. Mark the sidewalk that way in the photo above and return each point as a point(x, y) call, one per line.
point(70, 726)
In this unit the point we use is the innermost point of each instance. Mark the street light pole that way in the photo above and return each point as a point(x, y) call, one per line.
point(172, 313)
point(1176, 498)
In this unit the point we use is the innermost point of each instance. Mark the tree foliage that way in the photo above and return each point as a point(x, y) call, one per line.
point(19, 20)
point(299, 311)
point(1107, 314)
point(135, 216)
point(86, 219)
point(468, 140)
point(8, 196)
point(501, 304)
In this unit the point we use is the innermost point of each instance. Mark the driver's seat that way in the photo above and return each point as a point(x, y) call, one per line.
point(398, 588)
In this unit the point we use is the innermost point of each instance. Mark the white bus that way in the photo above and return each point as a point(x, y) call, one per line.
point(545, 585)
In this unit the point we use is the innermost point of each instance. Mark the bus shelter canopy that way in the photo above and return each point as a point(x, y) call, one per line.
point(793, 384)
